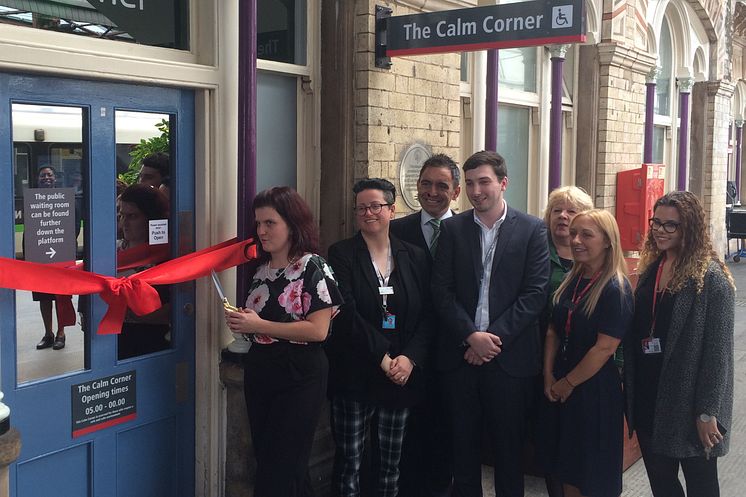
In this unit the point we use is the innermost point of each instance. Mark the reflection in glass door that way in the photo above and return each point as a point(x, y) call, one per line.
point(143, 211)
point(49, 191)
point(75, 128)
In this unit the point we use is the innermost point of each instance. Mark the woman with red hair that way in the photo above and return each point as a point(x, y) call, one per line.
point(292, 299)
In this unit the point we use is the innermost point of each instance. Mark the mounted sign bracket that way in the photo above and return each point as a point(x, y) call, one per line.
point(521, 24)
point(382, 14)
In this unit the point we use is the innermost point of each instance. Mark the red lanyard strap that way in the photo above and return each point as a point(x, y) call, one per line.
point(576, 300)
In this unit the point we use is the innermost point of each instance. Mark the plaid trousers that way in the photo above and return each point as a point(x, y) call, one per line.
point(349, 421)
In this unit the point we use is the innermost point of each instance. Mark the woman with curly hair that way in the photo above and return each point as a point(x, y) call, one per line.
point(582, 434)
point(678, 357)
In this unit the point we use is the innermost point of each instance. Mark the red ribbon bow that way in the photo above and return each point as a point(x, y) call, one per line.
point(135, 292)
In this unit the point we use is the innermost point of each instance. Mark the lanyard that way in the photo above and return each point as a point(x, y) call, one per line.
point(383, 278)
point(488, 257)
point(576, 299)
point(655, 294)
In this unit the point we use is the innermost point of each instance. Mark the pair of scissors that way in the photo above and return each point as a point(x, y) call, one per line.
point(223, 299)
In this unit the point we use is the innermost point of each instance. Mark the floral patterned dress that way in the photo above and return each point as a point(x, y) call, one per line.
point(292, 293)
point(285, 382)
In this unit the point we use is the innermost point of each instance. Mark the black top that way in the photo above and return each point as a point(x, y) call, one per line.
point(611, 317)
point(649, 365)
point(566, 264)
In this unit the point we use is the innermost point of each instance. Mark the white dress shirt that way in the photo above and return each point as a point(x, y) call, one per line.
point(488, 238)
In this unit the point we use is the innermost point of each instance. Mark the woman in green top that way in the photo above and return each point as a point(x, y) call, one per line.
point(563, 205)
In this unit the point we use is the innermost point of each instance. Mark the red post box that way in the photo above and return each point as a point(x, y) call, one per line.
point(636, 193)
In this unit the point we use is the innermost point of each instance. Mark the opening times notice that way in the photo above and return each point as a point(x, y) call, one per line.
point(103, 403)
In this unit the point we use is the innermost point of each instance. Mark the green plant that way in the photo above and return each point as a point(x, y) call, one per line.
point(143, 149)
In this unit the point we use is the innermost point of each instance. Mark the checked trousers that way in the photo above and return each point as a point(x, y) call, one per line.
point(349, 422)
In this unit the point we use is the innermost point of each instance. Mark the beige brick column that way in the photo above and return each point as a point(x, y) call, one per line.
point(711, 115)
point(621, 115)
point(416, 100)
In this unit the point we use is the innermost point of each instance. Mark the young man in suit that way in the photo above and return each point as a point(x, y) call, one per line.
point(489, 285)
point(425, 465)
point(437, 187)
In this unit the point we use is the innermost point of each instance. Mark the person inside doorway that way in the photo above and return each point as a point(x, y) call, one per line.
point(155, 167)
point(138, 205)
point(47, 178)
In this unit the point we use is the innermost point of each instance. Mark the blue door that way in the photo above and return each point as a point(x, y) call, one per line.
point(99, 415)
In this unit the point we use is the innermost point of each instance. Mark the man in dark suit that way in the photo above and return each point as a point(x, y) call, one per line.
point(489, 285)
point(437, 187)
point(426, 458)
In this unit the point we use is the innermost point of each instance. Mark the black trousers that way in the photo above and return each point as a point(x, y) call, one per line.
point(426, 455)
point(487, 403)
point(701, 475)
point(285, 387)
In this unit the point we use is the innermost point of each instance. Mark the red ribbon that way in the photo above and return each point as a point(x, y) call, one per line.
point(142, 255)
point(134, 292)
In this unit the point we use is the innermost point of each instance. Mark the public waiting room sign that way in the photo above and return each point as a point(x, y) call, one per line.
point(49, 224)
point(495, 26)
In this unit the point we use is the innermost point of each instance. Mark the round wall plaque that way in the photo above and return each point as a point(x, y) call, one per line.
point(409, 171)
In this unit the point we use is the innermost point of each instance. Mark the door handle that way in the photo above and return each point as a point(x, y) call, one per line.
point(188, 309)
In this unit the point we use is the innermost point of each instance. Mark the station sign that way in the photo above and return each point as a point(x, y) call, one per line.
point(49, 225)
point(103, 402)
point(510, 25)
point(150, 22)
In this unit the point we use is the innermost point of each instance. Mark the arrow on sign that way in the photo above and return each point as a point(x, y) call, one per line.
point(51, 252)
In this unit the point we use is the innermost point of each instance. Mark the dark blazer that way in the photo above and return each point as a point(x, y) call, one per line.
point(517, 294)
point(409, 229)
point(357, 344)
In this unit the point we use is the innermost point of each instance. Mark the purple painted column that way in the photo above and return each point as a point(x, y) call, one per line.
point(685, 91)
point(490, 114)
point(739, 141)
point(555, 117)
point(652, 77)
point(246, 173)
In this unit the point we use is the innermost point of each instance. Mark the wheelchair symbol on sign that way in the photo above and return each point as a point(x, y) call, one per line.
point(562, 17)
point(561, 20)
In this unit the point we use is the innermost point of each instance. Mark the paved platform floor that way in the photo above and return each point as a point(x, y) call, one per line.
point(732, 467)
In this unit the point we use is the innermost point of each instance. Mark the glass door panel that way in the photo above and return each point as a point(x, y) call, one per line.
point(143, 220)
point(49, 196)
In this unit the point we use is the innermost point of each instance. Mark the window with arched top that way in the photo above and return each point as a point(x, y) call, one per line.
point(665, 63)
point(664, 97)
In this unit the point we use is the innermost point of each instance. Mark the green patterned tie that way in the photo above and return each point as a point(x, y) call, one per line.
point(435, 223)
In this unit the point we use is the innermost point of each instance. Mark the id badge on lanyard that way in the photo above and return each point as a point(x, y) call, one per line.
point(388, 321)
point(652, 344)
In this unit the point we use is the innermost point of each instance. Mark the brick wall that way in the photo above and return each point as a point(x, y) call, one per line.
point(621, 116)
point(416, 100)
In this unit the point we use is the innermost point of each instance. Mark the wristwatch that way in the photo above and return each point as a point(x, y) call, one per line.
point(705, 418)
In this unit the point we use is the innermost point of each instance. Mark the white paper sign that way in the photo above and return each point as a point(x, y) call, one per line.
point(158, 231)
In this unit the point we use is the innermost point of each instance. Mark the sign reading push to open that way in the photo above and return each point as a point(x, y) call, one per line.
point(495, 26)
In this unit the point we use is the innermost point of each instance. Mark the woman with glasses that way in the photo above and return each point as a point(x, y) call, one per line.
point(379, 342)
point(678, 357)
